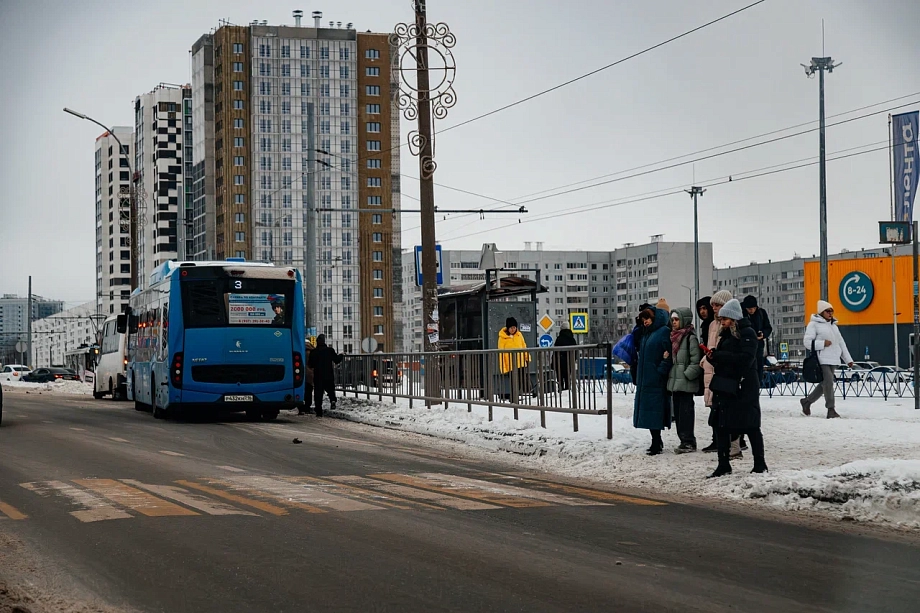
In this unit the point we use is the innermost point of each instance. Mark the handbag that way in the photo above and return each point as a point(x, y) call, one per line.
point(721, 384)
point(625, 349)
point(811, 367)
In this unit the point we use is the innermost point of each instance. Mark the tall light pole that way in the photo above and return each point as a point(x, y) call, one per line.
point(121, 151)
point(819, 65)
point(695, 192)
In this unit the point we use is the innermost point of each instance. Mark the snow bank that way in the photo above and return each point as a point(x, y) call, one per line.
point(862, 467)
point(77, 388)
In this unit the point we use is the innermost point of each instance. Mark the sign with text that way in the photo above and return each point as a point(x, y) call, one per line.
point(856, 291)
point(904, 132)
point(256, 309)
point(418, 265)
point(894, 232)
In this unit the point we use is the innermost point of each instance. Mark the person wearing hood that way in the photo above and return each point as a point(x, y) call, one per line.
point(760, 321)
point(510, 337)
point(651, 410)
point(710, 339)
point(735, 387)
point(704, 311)
point(322, 361)
point(822, 330)
point(562, 360)
point(684, 378)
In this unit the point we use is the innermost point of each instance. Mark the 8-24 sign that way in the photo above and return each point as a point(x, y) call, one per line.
point(856, 291)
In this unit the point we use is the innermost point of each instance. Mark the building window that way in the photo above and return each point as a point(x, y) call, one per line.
point(344, 54)
point(238, 180)
point(345, 127)
point(239, 141)
point(374, 182)
point(378, 330)
point(373, 126)
point(373, 109)
point(378, 275)
point(239, 218)
point(372, 54)
point(378, 292)
point(238, 124)
point(286, 108)
point(378, 256)
point(238, 160)
point(343, 72)
point(378, 311)
point(239, 198)
point(324, 90)
point(265, 107)
point(237, 86)
point(373, 145)
point(373, 163)
point(324, 53)
point(241, 237)
point(304, 51)
point(372, 90)
point(378, 237)
point(237, 66)
point(344, 109)
point(344, 91)
point(285, 51)
point(237, 48)
point(285, 70)
point(372, 71)
point(376, 219)
point(374, 200)
point(265, 51)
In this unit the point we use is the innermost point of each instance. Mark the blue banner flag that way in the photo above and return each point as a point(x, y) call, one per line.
point(904, 132)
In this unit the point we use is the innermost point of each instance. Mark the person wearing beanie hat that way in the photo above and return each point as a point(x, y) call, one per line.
point(711, 338)
point(762, 327)
point(663, 305)
point(510, 337)
point(823, 337)
point(735, 387)
point(721, 297)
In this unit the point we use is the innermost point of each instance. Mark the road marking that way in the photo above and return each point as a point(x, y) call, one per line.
point(189, 499)
point(118, 440)
point(446, 486)
point(79, 429)
point(92, 508)
point(510, 490)
point(590, 493)
point(256, 504)
point(173, 453)
point(11, 511)
point(412, 493)
point(370, 496)
point(232, 469)
point(133, 498)
point(308, 496)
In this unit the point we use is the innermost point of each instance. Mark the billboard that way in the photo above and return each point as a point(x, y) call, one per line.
point(904, 133)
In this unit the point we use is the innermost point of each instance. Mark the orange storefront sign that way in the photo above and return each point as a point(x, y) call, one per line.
point(878, 270)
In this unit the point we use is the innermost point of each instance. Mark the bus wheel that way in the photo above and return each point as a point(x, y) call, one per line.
point(270, 415)
point(158, 413)
point(96, 395)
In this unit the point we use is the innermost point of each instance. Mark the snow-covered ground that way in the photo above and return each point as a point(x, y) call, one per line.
point(78, 388)
point(863, 467)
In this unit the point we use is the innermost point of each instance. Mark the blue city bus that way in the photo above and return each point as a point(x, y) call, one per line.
point(217, 335)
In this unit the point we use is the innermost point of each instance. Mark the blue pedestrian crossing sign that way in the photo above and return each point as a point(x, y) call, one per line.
point(784, 351)
point(546, 340)
point(578, 322)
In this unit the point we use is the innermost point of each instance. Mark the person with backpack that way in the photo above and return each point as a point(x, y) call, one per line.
point(322, 361)
point(685, 376)
point(822, 330)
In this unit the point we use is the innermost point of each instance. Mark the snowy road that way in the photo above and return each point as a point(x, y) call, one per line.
point(102, 505)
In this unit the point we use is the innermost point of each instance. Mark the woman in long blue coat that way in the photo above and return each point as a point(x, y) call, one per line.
point(652, 411)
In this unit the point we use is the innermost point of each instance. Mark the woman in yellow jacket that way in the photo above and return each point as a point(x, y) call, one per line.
point(510, 337)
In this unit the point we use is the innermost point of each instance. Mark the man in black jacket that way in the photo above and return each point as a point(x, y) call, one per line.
point(321, 362)
point(760, 321)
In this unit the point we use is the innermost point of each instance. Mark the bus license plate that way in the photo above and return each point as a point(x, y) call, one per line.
point(238, 398)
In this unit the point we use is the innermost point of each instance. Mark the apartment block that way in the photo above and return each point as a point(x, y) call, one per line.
point(14, 321)
point(113, 220)
point(55, 335)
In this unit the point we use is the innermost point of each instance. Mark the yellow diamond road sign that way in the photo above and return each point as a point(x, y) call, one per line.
point(546, 322)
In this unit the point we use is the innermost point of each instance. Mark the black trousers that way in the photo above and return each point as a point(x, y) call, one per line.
point(319, 388)
point(724, 438)
point(307, 395)
point(684, 415)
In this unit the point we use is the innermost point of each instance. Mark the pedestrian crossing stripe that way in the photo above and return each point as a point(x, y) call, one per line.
point(92, 500)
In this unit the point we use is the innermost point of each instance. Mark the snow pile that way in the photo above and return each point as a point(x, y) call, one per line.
point(78, 388)
point(863, 467)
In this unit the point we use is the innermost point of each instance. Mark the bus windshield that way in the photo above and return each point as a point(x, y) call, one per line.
point(229, 302)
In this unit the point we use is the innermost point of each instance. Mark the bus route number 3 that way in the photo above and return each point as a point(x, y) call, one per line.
point(237, 285)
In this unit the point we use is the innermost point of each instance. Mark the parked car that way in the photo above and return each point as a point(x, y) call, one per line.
point(854, 373)
point(48, 375)
point(13, 372)
point(865, 365)
point(891, 373)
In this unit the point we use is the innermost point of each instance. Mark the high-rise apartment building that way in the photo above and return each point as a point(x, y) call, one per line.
point(159, 132)
point(302, 127)
point(113, 220)
point(14, 321)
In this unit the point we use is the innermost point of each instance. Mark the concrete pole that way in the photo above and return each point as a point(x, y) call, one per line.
point(823, 180)
point(29, 323)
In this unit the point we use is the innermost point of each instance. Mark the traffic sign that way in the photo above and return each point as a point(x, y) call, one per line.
point(784, 347)
point(418, 265)
point(21, 346)
point(856, 291)
point(546, 340)
point(784, 355)
point(546, 322)
point(578, 322)
point(369, 344)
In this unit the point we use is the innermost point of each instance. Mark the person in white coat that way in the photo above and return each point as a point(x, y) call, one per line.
point(823, 330)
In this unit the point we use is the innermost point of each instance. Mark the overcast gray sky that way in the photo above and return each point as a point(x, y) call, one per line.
point(733, 80)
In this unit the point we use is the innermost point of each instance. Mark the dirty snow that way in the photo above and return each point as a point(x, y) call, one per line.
point(863, 467)
point(78, 388)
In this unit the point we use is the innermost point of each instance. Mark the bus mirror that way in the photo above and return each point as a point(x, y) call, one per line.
point(121, 324)
point(132, 323)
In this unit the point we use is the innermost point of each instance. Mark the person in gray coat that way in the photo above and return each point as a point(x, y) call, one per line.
point(685, 377)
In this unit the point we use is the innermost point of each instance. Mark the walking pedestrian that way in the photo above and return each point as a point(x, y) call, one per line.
point(735, 387)
point(684, 378)
point(511, 364)
point(822, 330)
point(308, 381)
point(562, 360)
point(710, 339)
point(760, 321)
point(651, 410)
point(323, 360)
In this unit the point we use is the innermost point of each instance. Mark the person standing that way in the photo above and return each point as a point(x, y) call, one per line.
point(684, 378)
point(823, 331)
point(760, 321)
point(704, 311)
point(510, 337)
point(735, 387)
point(308, 381)
point(651, 410)
point(323, 360)
point(562, 360)
point(710, 339)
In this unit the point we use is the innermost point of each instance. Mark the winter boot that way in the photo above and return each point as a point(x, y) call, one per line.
point(760, 466)
point(685, 448)
point(655, 449)
point(742, 443)
point(724, 468)
point(831, 413)
point(711, 448)
point(735, 453)
point(806, 408)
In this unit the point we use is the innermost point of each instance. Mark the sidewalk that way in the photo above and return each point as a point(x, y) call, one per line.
point(864, 467)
